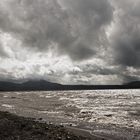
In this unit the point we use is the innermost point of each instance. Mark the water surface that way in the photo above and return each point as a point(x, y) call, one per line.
point(110, 112)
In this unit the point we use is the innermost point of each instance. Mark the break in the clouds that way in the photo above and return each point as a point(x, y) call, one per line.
point(70, 41)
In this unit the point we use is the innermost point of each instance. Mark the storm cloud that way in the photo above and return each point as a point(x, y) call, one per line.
point(126, 37)
point(74, 27)
point(82, 41)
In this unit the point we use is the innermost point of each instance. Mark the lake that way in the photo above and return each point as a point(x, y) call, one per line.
point(101, 112)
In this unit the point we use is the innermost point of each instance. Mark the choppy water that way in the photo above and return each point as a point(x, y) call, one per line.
point(102, 111)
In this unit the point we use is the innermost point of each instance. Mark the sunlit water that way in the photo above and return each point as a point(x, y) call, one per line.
point(100, 109)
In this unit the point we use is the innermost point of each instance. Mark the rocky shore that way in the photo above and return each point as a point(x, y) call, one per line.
point(13, 127)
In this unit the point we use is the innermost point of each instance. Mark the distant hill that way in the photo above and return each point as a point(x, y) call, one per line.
point(45, 85)
point(134, 83)
point(28, 86)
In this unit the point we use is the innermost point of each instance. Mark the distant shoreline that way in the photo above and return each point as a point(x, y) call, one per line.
point(48, 86)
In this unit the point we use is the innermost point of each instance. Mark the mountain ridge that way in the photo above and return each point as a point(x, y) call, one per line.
point(34, 85)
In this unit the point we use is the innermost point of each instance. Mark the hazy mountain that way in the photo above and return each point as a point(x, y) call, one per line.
point(45, 85)
point(29, 85)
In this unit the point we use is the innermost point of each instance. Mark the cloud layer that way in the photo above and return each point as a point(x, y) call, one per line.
point(126, 38)
point(74, 27)
point(90, 42)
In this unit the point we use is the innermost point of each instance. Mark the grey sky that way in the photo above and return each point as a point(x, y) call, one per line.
point(70, 41)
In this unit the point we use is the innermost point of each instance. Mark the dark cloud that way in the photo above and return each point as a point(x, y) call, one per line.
point(74, 27)
point(128, 78)
point(91, 12)
point(126, 39)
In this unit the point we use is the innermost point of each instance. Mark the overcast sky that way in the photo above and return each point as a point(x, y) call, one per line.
point(70, 41)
